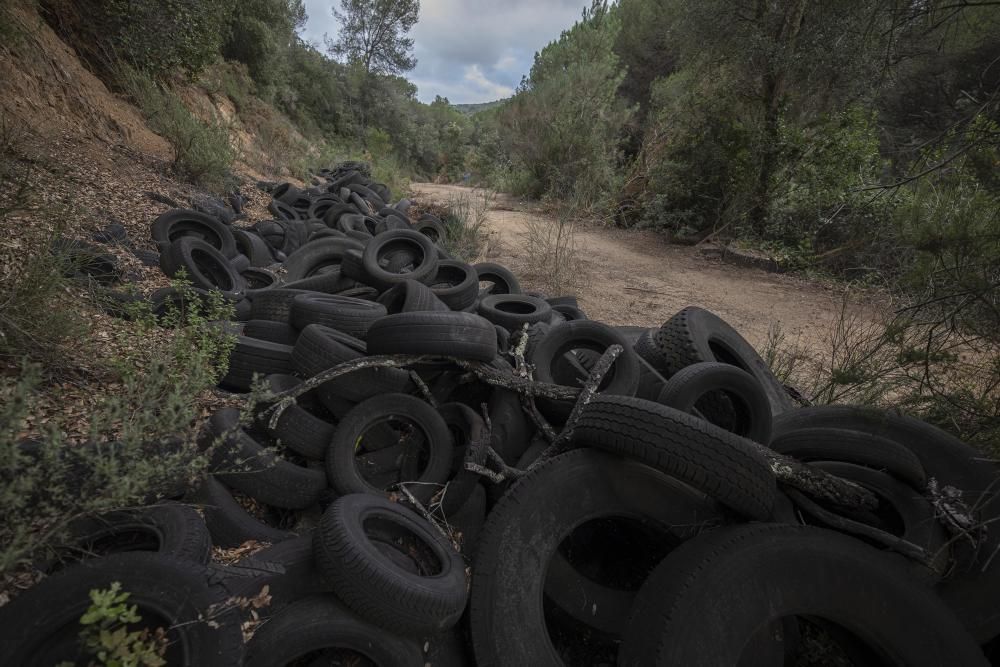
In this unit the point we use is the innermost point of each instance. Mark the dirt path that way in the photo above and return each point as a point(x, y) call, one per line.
point(634, 277)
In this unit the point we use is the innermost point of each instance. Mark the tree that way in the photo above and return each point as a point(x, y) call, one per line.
point(373, 34)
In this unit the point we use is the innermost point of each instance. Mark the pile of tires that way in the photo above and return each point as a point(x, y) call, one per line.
point(419, 514)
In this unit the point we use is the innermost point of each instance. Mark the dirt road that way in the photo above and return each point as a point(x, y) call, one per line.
point(634, 277)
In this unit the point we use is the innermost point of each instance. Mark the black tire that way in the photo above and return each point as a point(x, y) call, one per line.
point(295, 235)
point(170, 529)
point(837, 444)
point(367, 194)
point(409, 297)
point(512, 429)
point(320, 348)
point(460, 335)
point(389, 223)
point(320, 626)
point(646, 348)
point(974, 582)
point(252, 357)
point(286, 192)
point(524, 532)
point(259, 279)
point(41, 626)
point(333, 214)
point(379, 249)
point(332, 282)
point(205, 266)
point(650, 381)
point(321, 206)
point(241, 463)
point(432, 228)
point(569, 313)
point(902, 511)
point(348, 442)
point(745, 576)
point(468, 521)
point(501, 279)
point(180, 223)
point(240, 263)
point(456, 284)
point(275, 304)
point(319, 256)
point(621, 380)
point(390, 566)
point(512, 311)
point(228, 523)
point(254, 247)
point(147, 257)
point(751, 410)
point(469, 441)
point(303, 432)
point(283, 211)
point(352, 266)
point(343, 313)
point(695, 335)
point(287, 568)
point(716, 462)
point(353, 222)
point(273, 332)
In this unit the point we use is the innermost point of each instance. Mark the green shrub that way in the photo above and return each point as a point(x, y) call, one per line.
point(203, 150)
point(156, 36)
point(105, 633)
point(140, 441)
point(36, 317)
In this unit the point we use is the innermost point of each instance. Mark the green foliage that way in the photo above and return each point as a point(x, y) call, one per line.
point(157, 36)
point(375, 34)
point(261, 33)
point(106, 635)
point(140, 441)
point(35, 321)
point(203, 151)
point(562, 127)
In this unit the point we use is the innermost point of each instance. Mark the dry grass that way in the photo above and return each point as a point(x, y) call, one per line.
point(921, 367)
point(551, 253)
point(469, 237)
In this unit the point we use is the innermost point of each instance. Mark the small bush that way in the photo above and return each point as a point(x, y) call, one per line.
point(36, 320)
point(551, 253)
point(141, 434)
point(157, 36)
point(203, 151)
point(105, 633)
point(465, 221)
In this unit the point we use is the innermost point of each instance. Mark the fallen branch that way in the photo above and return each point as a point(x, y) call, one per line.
point(791, 472)
point(888, 540)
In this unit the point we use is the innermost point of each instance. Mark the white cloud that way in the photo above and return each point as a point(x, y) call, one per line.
point(483, 85)
point(507, 63)
point(471, 50)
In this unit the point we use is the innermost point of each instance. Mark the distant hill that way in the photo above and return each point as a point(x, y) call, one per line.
point(473, 109)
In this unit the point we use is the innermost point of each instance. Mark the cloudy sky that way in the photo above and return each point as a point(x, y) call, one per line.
point(470, 50)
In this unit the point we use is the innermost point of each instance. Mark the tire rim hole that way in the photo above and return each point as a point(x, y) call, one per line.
point(401, 547)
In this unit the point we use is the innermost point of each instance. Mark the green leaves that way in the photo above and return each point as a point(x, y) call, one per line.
point(106, 635)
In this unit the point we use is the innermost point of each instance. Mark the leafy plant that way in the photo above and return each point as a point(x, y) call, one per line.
point(106, 636)
point(203, 150)
point(141, 433)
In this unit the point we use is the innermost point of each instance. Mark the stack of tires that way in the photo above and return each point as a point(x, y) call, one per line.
point(654, 533)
